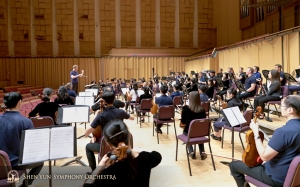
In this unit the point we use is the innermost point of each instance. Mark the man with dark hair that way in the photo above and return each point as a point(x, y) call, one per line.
point(281, 149)
point(12, 125)
point(241, 76)
point(250, 86)
point(163, 100)
point(202, 91)
point(176, 91)
point(110, 112)
point(278, 67)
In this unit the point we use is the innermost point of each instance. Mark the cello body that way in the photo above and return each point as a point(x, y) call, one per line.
point(154, 107)
point(97, 132)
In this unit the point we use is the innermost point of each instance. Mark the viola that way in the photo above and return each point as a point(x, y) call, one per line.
point(250, 155)
point(181, 125)
point(97, 132)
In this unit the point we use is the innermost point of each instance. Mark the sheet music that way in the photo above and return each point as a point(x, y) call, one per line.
point(36, 145)
point(231, 117)
point(95, 91)
point(157, 95)
point(62, 142)
point(75, 114)
point(81, 94)
point(84, 101)
point(140, 92)
point(239, 116)
point(124, 90)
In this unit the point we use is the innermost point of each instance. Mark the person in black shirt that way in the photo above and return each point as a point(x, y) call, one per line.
point(225, 82)
point(189, 113)
point(46, 108)
point(233, 101)
point(278, 67)
point(210, 88)
point(128, 167)
point(146, 95)
point(194, 86)
point(63, 97)
point(241, 76)
point(109, 113)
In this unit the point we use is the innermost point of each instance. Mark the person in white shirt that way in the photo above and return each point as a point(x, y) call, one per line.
point(133, 95)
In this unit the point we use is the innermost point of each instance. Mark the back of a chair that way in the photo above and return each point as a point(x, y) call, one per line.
point(137, 99)
point(146, 104)
point(42, 121)
point(284, 91)
point(177, 100)
point(205, 106)
point(199, 128)
point(166, 112)
point(248, 114)
point(256, 89)
point(293, 175)
point(4, 164)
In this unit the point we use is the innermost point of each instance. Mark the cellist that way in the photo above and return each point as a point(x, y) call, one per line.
point(281, 149)
point(110, 112)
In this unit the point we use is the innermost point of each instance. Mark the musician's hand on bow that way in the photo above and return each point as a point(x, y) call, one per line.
point(254, 127)
point(105, 161)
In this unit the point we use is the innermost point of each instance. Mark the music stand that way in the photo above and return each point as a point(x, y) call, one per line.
point(220, 84)
point(231, 76)
point(73, 114)
point(241, 88)
point(297, 72)
point(220, 75)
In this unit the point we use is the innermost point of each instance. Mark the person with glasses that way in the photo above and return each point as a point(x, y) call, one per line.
point(281, 149)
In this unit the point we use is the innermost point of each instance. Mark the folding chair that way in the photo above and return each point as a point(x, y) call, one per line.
point(285, 92)
point(146, 105)
point(177, 103)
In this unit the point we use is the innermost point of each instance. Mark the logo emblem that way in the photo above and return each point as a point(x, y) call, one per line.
point(13, 177)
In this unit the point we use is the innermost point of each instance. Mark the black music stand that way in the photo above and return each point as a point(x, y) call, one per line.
point(220, 84)
point(220, 75)
point(76, 118)
point(297, 72)
point(231, 76)
point(290, 79)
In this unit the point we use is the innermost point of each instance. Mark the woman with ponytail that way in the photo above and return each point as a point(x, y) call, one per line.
point(123, 166)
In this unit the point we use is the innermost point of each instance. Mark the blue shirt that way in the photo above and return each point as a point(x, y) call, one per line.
point(285, 141)
point(249, 81)
point(202, 79)
point(283, 82)
point(257, 75)
point(11, 128)
point(203, 97)
point(163, 100)
point(72, 93)
point(177, 93)
point(74, 73)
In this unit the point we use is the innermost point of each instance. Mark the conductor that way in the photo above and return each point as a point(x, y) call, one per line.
point(74, 78)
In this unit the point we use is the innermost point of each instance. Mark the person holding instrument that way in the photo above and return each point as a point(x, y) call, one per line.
point(190, 112)
point(281, 149)
point(74, 78)
point(225, 82)
point(233, 101)
point(130, 167)
point(109, 113)
point(63, 96)
point(133, 95)
point(145, 95)
point(273, 93)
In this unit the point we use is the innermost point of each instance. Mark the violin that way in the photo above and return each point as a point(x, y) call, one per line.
point(224, 104)
point(97, 132)
point(250, 156)
point(181, 125)
point(118, 154)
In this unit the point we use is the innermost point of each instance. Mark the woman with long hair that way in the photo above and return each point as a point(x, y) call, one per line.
point(210, 88)
point(273, 93)
point(133, 94)
point(189, 113)
point(63, 96)
point(127, 167)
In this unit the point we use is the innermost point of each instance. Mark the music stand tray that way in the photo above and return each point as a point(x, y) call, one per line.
point(289, 77)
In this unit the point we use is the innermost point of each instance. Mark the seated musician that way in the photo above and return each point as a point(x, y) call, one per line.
point(194, 85)
point(63, 96)
point(189, 113)
point(70, 91)
point(201, 78)
point(175, 91)
point(110, 112)
point(163, 100)
point(210, 88)
point(46, 108)
point(273, 93)
point(12, 125)
point(132, 167)
point(283, 80)
point(250, 86)
point(280, 151)
point(241, 76)
point(145, 95)
point(203, 96)
point(233, 101)
point(225, 82)
point(256, 72)
point(133, 94)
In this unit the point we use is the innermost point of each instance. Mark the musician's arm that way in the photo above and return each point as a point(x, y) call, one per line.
point(251, 88)
point(131, 118)
point(88, 131)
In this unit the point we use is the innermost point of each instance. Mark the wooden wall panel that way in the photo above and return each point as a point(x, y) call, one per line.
point(128, 23)
point(186, 23)
point(167, 23)
point(3, 28)
point(148, 22)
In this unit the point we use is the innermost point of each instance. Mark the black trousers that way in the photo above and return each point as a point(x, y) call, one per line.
point(240, 169)
point(244, 95)
point(35, 170)
point(127, 104)
point(90, 148)
point(75, 87)
point(261, 100)
point(157, 125)
point(221, 93)
point(190, 147)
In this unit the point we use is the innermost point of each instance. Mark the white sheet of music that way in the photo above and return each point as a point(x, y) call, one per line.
point(95, 91)
point(62, 142)
point(91, 94)
point(140, 92)
point(75, 114)
point(157, 95)
point(84, 101)
point(234, 116)
point(124, 90)
point(36, 145)
point(79, 101)
point(239, 116)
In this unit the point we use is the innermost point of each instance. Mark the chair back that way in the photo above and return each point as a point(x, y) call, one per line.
point(166, 112)
point(137, 99)
point(177, 100)
point(205, 106)
point(284, 91)
point(4, 165)
point(146, 104)
point(199, 128)
point(248, 114)
point(256, 89)
point(42, 121)
point(293, 175)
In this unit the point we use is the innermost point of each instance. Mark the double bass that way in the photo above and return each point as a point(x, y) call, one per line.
point(250, 155)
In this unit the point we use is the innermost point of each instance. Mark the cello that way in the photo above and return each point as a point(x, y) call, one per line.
point(250, 155)
point(181, 125)
point(97, 132)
